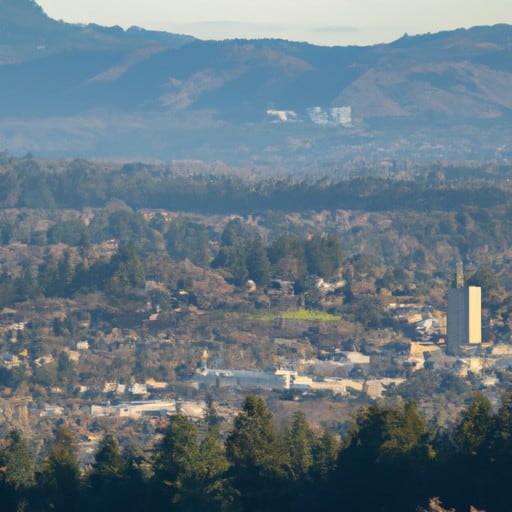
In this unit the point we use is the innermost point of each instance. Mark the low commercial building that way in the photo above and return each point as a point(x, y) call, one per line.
point(135, 409)
point(243, 378)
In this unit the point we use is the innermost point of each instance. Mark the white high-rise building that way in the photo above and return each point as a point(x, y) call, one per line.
point(464, 318)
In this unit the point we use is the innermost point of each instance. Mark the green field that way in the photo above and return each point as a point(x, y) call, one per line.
point(301, 314)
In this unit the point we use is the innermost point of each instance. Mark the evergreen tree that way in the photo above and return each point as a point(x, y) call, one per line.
point(500, 457)
point(287, 255)
point(175, 464)
point(257, 459)
point(501, 435)
point(190, 475)
point(106, 477)
point(17, 461)
point(389, 452)
point(59, 481)
point(187, 240)
point(326, 450)
point(65, 370)
point(135, 488)
point(17, 474)
point(27, 285)
point(84, 243)
point(469, 465)
point(234, 260)
point(324, 256)
point(214, 489)
point(66, 274)
point(474, 427)
point(233, 251)
point(319, 490)
point(300, 447)
point(258, 264)
point(48, 274)
point(234, 233)
point(127, 270)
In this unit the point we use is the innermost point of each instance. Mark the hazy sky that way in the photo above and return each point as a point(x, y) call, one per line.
point(329, 22)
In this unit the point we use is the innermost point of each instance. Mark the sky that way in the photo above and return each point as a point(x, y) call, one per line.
point(325, 22)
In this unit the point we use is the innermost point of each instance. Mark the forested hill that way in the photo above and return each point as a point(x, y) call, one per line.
point(27, 34)
point(86, 90)
point(31, 183)
point(55, 68)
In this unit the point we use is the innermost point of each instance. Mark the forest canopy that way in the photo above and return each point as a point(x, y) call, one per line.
point(391, 459)
point(31, 183)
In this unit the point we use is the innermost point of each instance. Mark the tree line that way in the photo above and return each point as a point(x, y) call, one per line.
point(390, 460)
point(31, 183)
point(63, 276)
point(242, 255)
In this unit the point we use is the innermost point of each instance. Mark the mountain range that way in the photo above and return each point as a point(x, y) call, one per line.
point(87, 90)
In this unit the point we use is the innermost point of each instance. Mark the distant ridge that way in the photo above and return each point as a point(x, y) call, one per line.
point(54, 70)
point(27, 32)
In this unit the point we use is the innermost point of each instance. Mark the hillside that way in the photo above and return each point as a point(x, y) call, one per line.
point(150, 86)
point(27, 33)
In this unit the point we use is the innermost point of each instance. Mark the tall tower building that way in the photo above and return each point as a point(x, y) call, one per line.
point(464, 315)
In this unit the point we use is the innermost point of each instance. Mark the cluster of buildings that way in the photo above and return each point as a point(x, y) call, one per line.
point(284, 379)
point(350, 374)
point(463, 335)
point(334, 116)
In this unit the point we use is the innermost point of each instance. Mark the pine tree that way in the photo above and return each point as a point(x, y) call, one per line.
point(497, 467)
point(59, 480)
point(17, 475)
point(472, 436)
point(17, 461)
point(174, 463)
point(257, 458)
point(287, 254)
point(324, 256)
point(474, 427)
point(389, 452)
point(258, 264)
point(300, 447)
point(326, 449)
point(233, 252)
point(127, 270)
point(106, 477)
point(215, 492)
